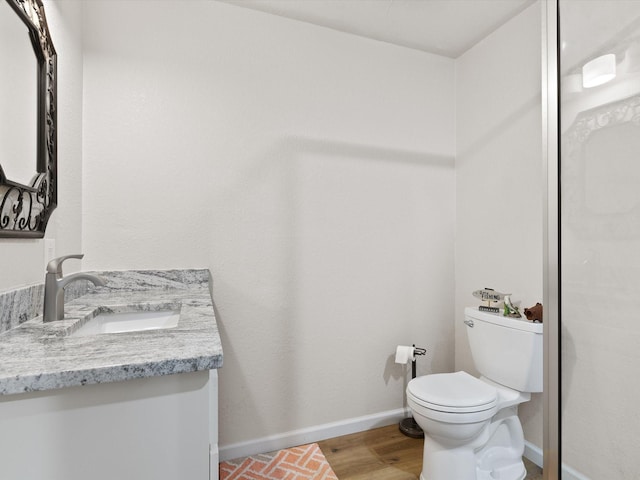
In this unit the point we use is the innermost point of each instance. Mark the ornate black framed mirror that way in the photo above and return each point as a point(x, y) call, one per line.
point(27, 203)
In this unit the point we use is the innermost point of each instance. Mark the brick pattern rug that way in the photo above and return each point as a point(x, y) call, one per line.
point(306, 462)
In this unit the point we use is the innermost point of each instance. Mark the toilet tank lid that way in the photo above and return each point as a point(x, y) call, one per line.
point(457, 389)
point(499, 319)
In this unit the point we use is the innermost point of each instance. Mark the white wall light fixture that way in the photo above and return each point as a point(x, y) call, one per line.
point(599, 71)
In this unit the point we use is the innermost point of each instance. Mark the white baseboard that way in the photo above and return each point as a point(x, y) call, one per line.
point(534, 453)
point(311, 434)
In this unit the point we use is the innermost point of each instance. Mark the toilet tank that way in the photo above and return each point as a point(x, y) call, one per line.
point(506, 350)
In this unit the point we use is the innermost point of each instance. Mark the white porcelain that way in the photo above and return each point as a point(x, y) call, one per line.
point(471, 425)
point(506, 350)
point(128, 322)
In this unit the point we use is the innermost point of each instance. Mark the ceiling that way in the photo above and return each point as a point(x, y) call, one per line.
point(443, 27)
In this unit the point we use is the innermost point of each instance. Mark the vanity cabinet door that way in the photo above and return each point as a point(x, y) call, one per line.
point(154, 428)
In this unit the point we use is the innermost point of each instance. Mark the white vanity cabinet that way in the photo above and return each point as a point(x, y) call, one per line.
point(157, 428)
point(136, 405)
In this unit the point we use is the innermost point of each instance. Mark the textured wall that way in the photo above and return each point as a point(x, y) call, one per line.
point(499, 178)
point(310, 170)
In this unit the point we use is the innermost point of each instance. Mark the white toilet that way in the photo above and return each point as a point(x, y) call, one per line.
point(471, 425)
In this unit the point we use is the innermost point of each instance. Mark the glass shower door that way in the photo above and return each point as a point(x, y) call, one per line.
point(599, 114)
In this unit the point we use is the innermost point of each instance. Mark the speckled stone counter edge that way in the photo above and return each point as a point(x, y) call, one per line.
point(34, 359)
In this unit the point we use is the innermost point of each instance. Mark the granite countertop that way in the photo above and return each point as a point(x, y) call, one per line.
point(37, 356)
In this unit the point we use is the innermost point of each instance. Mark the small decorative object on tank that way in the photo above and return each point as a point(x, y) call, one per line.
point(534, 313)
point(489, 295)
point(510, 310)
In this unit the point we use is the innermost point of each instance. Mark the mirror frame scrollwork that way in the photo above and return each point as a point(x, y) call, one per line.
point(25, 209)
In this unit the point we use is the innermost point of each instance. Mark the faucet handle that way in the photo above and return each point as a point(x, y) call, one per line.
point(55, 265)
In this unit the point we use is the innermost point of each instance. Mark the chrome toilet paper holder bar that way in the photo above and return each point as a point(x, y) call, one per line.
point(416, 351)
point(419, 351)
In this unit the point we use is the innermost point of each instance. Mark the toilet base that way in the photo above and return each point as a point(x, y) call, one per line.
point(494, 454)
point(510, 473)
point(516, 471)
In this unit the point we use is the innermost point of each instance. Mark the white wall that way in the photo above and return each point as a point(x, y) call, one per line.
point(499, 178)
point(23, 261)
point(310, 170)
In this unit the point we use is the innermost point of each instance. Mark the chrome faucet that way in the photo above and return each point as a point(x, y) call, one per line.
point(55, 284)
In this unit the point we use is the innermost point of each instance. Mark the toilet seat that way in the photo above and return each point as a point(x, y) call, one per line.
point(453, 394)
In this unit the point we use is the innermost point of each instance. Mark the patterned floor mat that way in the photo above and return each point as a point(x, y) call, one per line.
point(306, 462)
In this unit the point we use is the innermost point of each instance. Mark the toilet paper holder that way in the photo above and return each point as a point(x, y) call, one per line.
point(416, 351)
point(409, 426)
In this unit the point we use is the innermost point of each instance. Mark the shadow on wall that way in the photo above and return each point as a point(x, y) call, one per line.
point(335, 277)
point(300, 145)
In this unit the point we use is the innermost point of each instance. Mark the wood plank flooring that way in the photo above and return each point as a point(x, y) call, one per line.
point(383, 454)
point(379, 454)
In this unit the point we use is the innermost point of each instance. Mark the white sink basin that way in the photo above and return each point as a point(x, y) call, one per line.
point(136, 321)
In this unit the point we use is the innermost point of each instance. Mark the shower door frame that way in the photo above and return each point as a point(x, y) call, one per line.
point(551, 240)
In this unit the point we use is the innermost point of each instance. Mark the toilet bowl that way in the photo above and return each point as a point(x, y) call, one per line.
point(452, 400)
point(459, 415)
point(471, 425)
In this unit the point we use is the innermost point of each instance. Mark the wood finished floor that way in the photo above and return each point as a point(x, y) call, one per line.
point(383, 454)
